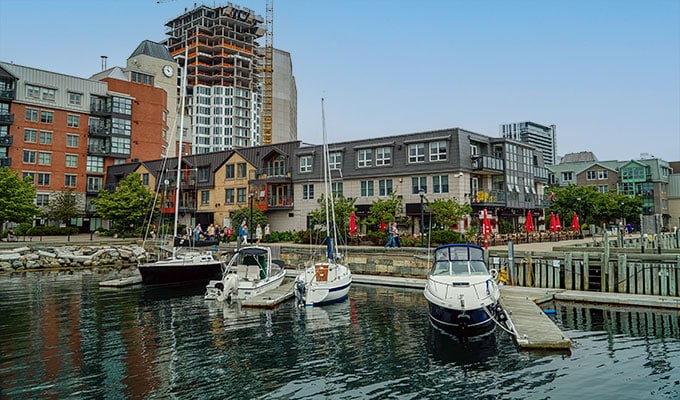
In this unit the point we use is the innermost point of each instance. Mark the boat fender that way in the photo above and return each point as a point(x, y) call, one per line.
point(550, 312)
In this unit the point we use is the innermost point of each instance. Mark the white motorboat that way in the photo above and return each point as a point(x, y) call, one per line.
point(462, 293)
point(251, 271)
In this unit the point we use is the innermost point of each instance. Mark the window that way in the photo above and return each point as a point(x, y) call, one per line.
point(121, 106)
point(44, 158)
point(29, 156)
point(438, 151)
point(120, 145)
point(42, 199)
point(567, 176)
point(46, 117)
point(30, 135)
point(366, 188)
point(142, 78)
point(336, 189)
point(603, 188)
point(30, 175)
point(384, 187)
point(45, 137)
point(228, 196)
point(305, 164)
point(32, 92)
point(31, 114)
point(71, 140)
point(121, 126)
point(95, 164)
point(241, 195)
point(73, 121)
point(205, 197)
point(241, 170)
point(335, 160)
point(383, 156)
point(203, 174)
point(70, 180)
point(365, 158)
point(94, 183)
point(308, 192)
point(71, 161)
point(43, 179)
point(75, 99)
point(474, 150)
point(440, 184)
point(590, 175)
point(418, 183)
point(48, 94)
point(145, 179)
point(416, 153)
point(229, 171)
point(602, 174)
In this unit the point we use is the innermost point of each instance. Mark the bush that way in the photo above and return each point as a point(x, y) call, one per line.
point(446, 236)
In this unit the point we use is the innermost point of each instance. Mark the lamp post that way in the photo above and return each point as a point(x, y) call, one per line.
point(250, 227)
point(422, 217)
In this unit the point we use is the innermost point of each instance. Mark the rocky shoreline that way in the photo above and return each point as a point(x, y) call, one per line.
point(64, 257)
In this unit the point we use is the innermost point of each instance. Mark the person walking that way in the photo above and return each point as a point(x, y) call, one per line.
point(197, 232)
point(243, 234)
point(267, 233)
point(258, 233)
point(390, 237)
point(211, 232)
point(395, 235)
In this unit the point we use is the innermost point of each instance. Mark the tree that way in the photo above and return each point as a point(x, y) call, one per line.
point(63, 206)
point(244, 213)
point(127, 207)
point(16, 198)
point(446, 213)
point(386, 210)
point(592, 206)
point(343, 208)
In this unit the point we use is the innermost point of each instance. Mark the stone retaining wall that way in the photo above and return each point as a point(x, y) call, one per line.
point(101, 255)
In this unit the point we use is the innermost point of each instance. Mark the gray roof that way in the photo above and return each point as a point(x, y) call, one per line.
point(583, 156)
point(152, 49)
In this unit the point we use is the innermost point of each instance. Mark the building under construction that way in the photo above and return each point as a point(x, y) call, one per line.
point(224, 75)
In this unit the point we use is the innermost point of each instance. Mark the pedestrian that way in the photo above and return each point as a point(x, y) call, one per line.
point(153, 231)
point(210, 232)
point(390, 237)
point(227, 234)
point(267, 233)
point(395, 235)
point(188, 232)
point(258, 233)
point(243, 233)
point(197, 232)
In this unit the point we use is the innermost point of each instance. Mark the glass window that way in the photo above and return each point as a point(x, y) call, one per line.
point(29, 156)
point(48, 94)
point(365, 158)
point(440, 184)
point(95, 164)
point(43, 179)
point(75, 99)
point(32, 91)
point(229, 171)
point(438, 151)
point(590, 175)
point(71, 160)
point(418, 183)
point(70, 180)
point(308, 192)
point(229, 196)
point(42, 199)
point(30, 135)
point(205, 197)
point(45, 137)
point(30, 175)
point(567, 176)
point(383, 156)
point(73, 121)
point(241, 195)
point(241, 170)
point(602, 174)
point(44, 158)
point(416, 153)
point(336, 189)
point(94, 183)
point(384, 187)
point(335, 160)
point(305, 164)
point(366, 188)
point(46, 117)
point(203, 174)
point(120, 145)
point(31, 115)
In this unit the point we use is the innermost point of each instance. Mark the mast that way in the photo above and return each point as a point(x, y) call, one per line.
point(181, 137)
point(326, 184)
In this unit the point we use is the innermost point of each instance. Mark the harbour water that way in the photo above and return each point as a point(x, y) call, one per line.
point(61, 336)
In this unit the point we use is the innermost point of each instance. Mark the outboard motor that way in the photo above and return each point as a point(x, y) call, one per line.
point(300, 292)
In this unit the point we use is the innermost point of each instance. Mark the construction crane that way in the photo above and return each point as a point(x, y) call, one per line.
point(267, 106)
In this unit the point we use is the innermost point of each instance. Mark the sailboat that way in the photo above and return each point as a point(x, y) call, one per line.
point(185, 265)
point(327, 281)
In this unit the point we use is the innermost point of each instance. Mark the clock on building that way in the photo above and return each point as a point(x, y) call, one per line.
point(167, 70)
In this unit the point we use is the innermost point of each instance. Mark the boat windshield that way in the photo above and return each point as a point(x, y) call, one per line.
point(459, 268)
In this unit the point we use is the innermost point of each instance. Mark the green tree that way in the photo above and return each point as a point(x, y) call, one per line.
point(592, 206)
point(385, 210)
point(446, 213)
point(63, 206)
point(129, 206)
point(16, 198)
point(343, 208)
point(244, 213)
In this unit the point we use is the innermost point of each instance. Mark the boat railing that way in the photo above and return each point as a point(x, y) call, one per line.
point(452, 289)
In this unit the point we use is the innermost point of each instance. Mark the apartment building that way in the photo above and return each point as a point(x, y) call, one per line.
point(541, 136)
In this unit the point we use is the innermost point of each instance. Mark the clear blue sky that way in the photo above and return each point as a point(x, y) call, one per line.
point(606, 72)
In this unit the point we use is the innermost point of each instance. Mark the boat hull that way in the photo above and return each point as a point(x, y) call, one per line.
point(168, 272)
point(323, 284)
point(465, 323)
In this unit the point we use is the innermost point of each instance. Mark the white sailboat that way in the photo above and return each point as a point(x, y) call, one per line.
point(185, 265)
point(327, 281)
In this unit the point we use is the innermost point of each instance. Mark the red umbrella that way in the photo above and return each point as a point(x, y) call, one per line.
point(575, 226)
point(352, 223)
point(558, 224)
point(553, 226)
point(529, 223)
point(486, 229)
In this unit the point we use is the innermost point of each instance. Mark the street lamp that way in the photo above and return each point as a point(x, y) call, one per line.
point(250, 228)
point(422, 217)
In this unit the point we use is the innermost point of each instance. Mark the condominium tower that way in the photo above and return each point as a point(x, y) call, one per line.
point(541, 136)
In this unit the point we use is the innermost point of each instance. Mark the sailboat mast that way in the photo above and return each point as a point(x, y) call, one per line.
point(329, 244)
point(181, 136)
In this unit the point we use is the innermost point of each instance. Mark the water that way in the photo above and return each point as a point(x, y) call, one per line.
point(61, 336)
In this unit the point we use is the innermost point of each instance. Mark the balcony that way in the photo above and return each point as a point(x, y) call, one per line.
point(100, 108)
point(541, 173)
point(6, 140)
point(6, 118)
point(5, 162)
point(487, 164)
point(278, 173)
point(8, 94)
point(94, 188)
point(95, 130)
point(98, 150)
point(489, 198)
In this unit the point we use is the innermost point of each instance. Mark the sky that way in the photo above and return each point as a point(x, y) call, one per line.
point(605, 72)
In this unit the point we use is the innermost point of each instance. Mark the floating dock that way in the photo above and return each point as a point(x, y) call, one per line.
point(271, 298)
point(122, 282)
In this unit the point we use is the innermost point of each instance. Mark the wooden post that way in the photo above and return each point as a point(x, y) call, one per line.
point(585, 273)
point(568, 271)
point(622, 286)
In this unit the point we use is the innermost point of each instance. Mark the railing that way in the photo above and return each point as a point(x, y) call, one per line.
point(489, 197)
point(5, 162)
point(487, 163)
point(6, 118)
point(272, 172)
point(8, 94)
point(6, 140)
point(99, 131)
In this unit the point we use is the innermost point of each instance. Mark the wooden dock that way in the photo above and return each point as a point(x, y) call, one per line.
point(271, 298)
point(122, 282)
point(534, 330)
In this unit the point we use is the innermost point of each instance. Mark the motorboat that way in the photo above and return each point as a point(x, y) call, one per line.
point(251, 271)
point(462, 293)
